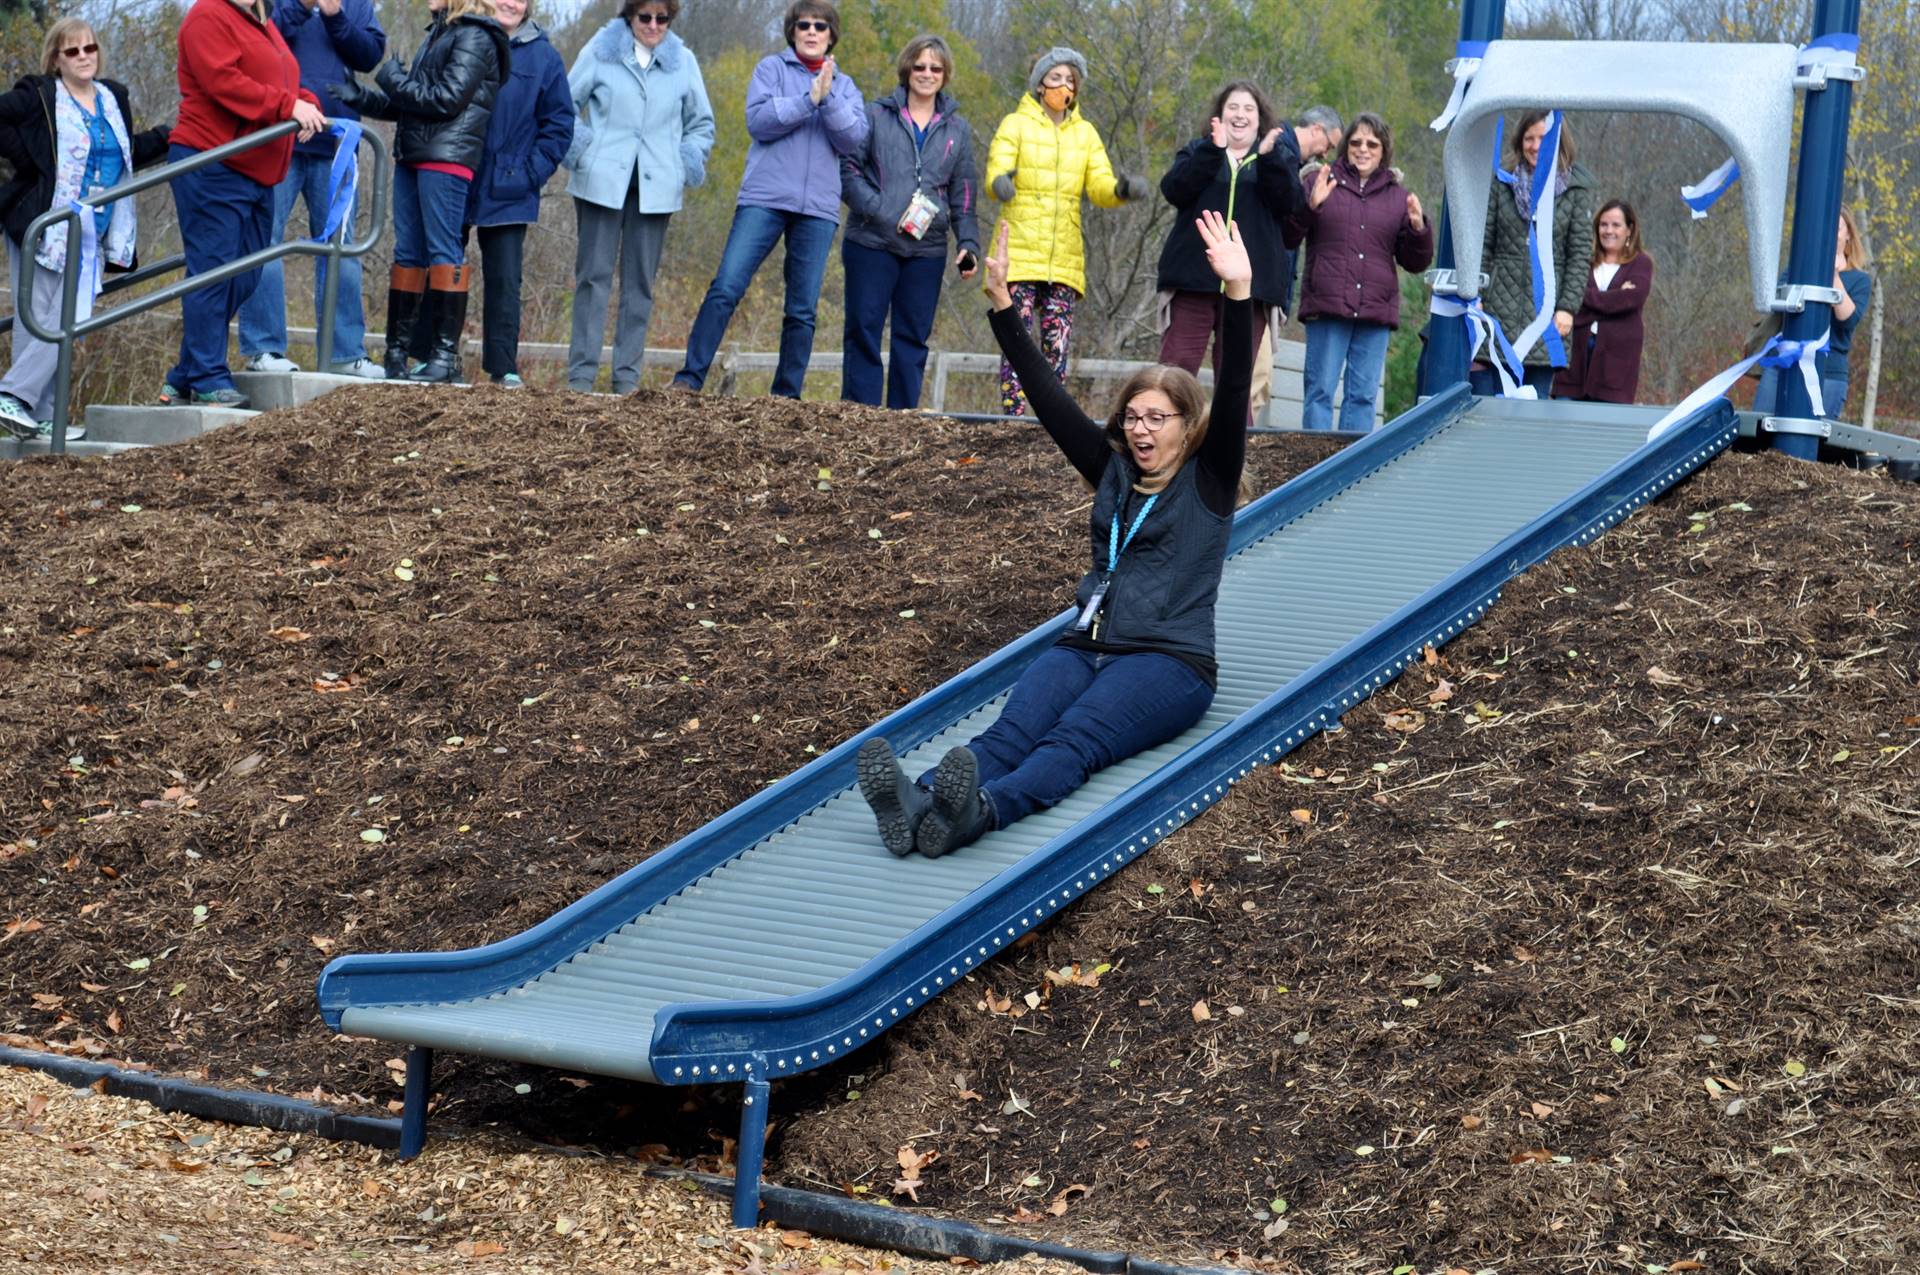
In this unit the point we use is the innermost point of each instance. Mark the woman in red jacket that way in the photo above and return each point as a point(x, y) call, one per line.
point(236, 76)
point(1604, 350)
point(1358, 222)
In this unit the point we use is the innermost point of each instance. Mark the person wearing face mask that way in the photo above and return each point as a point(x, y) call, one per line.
point(804, 115)
point(1508, 263)
point(1359, 222)
point(442, 106)
point(1855, 286)
point(68, 132)
point(1044, 158)
point(527, 136)
point(1136, 667)
point(1246, 169)
point(646, 130)
point(1604, 358)
point(911, 188)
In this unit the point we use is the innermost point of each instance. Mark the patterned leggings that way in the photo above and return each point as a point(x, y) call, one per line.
point(1053, 304)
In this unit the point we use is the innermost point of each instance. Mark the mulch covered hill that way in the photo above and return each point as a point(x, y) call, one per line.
point(1591, 946)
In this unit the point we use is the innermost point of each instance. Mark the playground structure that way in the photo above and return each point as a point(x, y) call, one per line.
point(782, 937)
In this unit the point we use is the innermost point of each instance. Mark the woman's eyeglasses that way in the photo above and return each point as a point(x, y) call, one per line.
point(652, 19)
point(1154, 421)
point(926, 69)
point(811, 24)
point(1364, 143)
point(80, 50)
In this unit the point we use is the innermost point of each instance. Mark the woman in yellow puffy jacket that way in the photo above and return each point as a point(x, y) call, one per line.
point(1044, 157)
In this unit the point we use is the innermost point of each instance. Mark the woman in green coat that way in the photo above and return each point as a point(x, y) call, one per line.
point(1508, 294)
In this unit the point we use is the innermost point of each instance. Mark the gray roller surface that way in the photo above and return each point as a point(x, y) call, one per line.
point(816, 901)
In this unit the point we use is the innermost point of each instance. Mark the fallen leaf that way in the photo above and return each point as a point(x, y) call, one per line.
point(478, 1248)
point(283, 1237)
point(1472, 1122)
point(1200, 1011)
point(369, 1188)
point(1660, 677)
point(1405, 721)
point(1688, 1264)
point(115, 1022)
point(322, 942)
point(795, 1239)
point(1542, 1110)
point(1302, 815)
point(1059, 1206)
point(1441, 693)
point(287, 633)
point(1534, 1155)
point(1485, 713)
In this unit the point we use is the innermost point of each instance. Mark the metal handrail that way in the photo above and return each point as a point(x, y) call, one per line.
point(121, 282)
point(70, 330)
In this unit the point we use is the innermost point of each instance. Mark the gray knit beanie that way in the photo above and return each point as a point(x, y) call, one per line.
point(1053, 57)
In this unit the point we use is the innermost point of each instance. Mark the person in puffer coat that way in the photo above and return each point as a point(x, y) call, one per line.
point(1508, 295)
point(646, 129)
point(442, 105)
point(1359, 222)
point(1045, 156)
point(804, 114)
point(911, 188)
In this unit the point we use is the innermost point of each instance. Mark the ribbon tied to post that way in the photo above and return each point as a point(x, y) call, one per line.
point(1778, 352)
point(1829, 51)
point(1467, 57)
point(343, 179)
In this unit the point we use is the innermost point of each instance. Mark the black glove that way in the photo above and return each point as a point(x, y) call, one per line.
point(391, 73)
point(1003, 187)
point(349, 94)
point(1130, 187)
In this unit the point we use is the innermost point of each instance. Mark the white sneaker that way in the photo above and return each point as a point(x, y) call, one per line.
point(16, 417)
point(362, 367)
point(268, 362)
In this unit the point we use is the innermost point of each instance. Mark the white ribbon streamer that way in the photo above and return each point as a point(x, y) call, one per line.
point(1467, 57)
point(1777, 352)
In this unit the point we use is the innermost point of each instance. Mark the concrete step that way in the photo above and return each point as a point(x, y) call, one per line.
point(19, 449)
point(270, 391)
point(150, 425)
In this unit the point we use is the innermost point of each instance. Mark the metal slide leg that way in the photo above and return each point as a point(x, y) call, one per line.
point(413, 1118)
point(749, 1155)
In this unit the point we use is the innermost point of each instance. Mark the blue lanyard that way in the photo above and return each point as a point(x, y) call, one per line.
point(1115, 545)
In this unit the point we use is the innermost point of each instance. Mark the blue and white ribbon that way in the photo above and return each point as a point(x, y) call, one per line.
point(1777, 352)
point(1828, 51)
point(1467, 56)
point(343, 180)
point(1540, 244)
point(1706, 192)
point(1485, 330)
point(91, 266)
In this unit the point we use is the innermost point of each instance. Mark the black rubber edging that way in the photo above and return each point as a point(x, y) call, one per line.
point(836, 1217)
point(209, 1102)
point(904, 1231)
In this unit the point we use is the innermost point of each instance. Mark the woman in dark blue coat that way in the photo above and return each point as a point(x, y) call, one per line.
point(531, 129)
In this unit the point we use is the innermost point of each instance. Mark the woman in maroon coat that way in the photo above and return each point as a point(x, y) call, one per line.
point(1604, 359)
point(1359, 221)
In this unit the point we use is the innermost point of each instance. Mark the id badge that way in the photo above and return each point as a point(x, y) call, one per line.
point(918, 216)
point(1089, 621)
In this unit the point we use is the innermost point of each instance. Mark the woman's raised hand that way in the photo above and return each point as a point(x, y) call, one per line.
point(1226, 253)
point(1217, 133)
point(1322, 186)
point(998, 263)
point(1416, 216)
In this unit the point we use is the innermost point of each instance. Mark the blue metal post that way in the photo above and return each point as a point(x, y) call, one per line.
point(750, 1155)
point(1445, 360)
point(1816, 216)
point(413, 1114)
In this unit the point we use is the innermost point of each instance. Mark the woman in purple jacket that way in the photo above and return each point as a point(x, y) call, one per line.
point(803, 115)
point(1359, 221)
point(1604, 349)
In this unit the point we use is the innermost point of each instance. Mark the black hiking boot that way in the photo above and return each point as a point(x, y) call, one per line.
point(898, 803)
point(960, 814)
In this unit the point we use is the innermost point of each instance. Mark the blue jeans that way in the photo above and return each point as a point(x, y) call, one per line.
point(1074, 712)
point(1485, 382)
point(223, 216)
point(1362, 349)
point(879, 282)
point(263, 319)
point(428, 208)
point(1833, 393)
point(755, 231)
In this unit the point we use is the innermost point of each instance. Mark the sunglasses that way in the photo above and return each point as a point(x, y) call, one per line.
point(652, 19)
point(928, 68)
point(809, 24)
point(78, 50)
point(1364, 143)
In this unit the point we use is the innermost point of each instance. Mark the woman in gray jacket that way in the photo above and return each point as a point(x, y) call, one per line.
point(644, 134)
point(908, 189)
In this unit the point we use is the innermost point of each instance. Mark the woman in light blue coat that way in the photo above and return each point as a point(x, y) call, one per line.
point(643, 137)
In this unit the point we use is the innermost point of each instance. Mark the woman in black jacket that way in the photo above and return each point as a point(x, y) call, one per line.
point(1137, 666)
point(68, 133)
point(442, 105)
point(1246, 169)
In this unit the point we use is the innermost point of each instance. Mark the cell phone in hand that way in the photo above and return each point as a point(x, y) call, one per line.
point(964, 262)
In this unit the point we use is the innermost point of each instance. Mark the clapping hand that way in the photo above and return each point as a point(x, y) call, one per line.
point(998, 263)
point(1322, 186)
point(1267, 142)
point(823, 82)
point(1217, 133)
point(1415, 216)
point(1225, 253)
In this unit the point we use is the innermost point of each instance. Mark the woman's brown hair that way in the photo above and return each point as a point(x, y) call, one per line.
point(1378, 127)
point(57, 36)
point(631, 8)
point(813, 9)
point(925, 44)
point(1631, 248)
point(1182, 388)
point(1517, 148)
point(1856, 253)
point(1261, 106)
